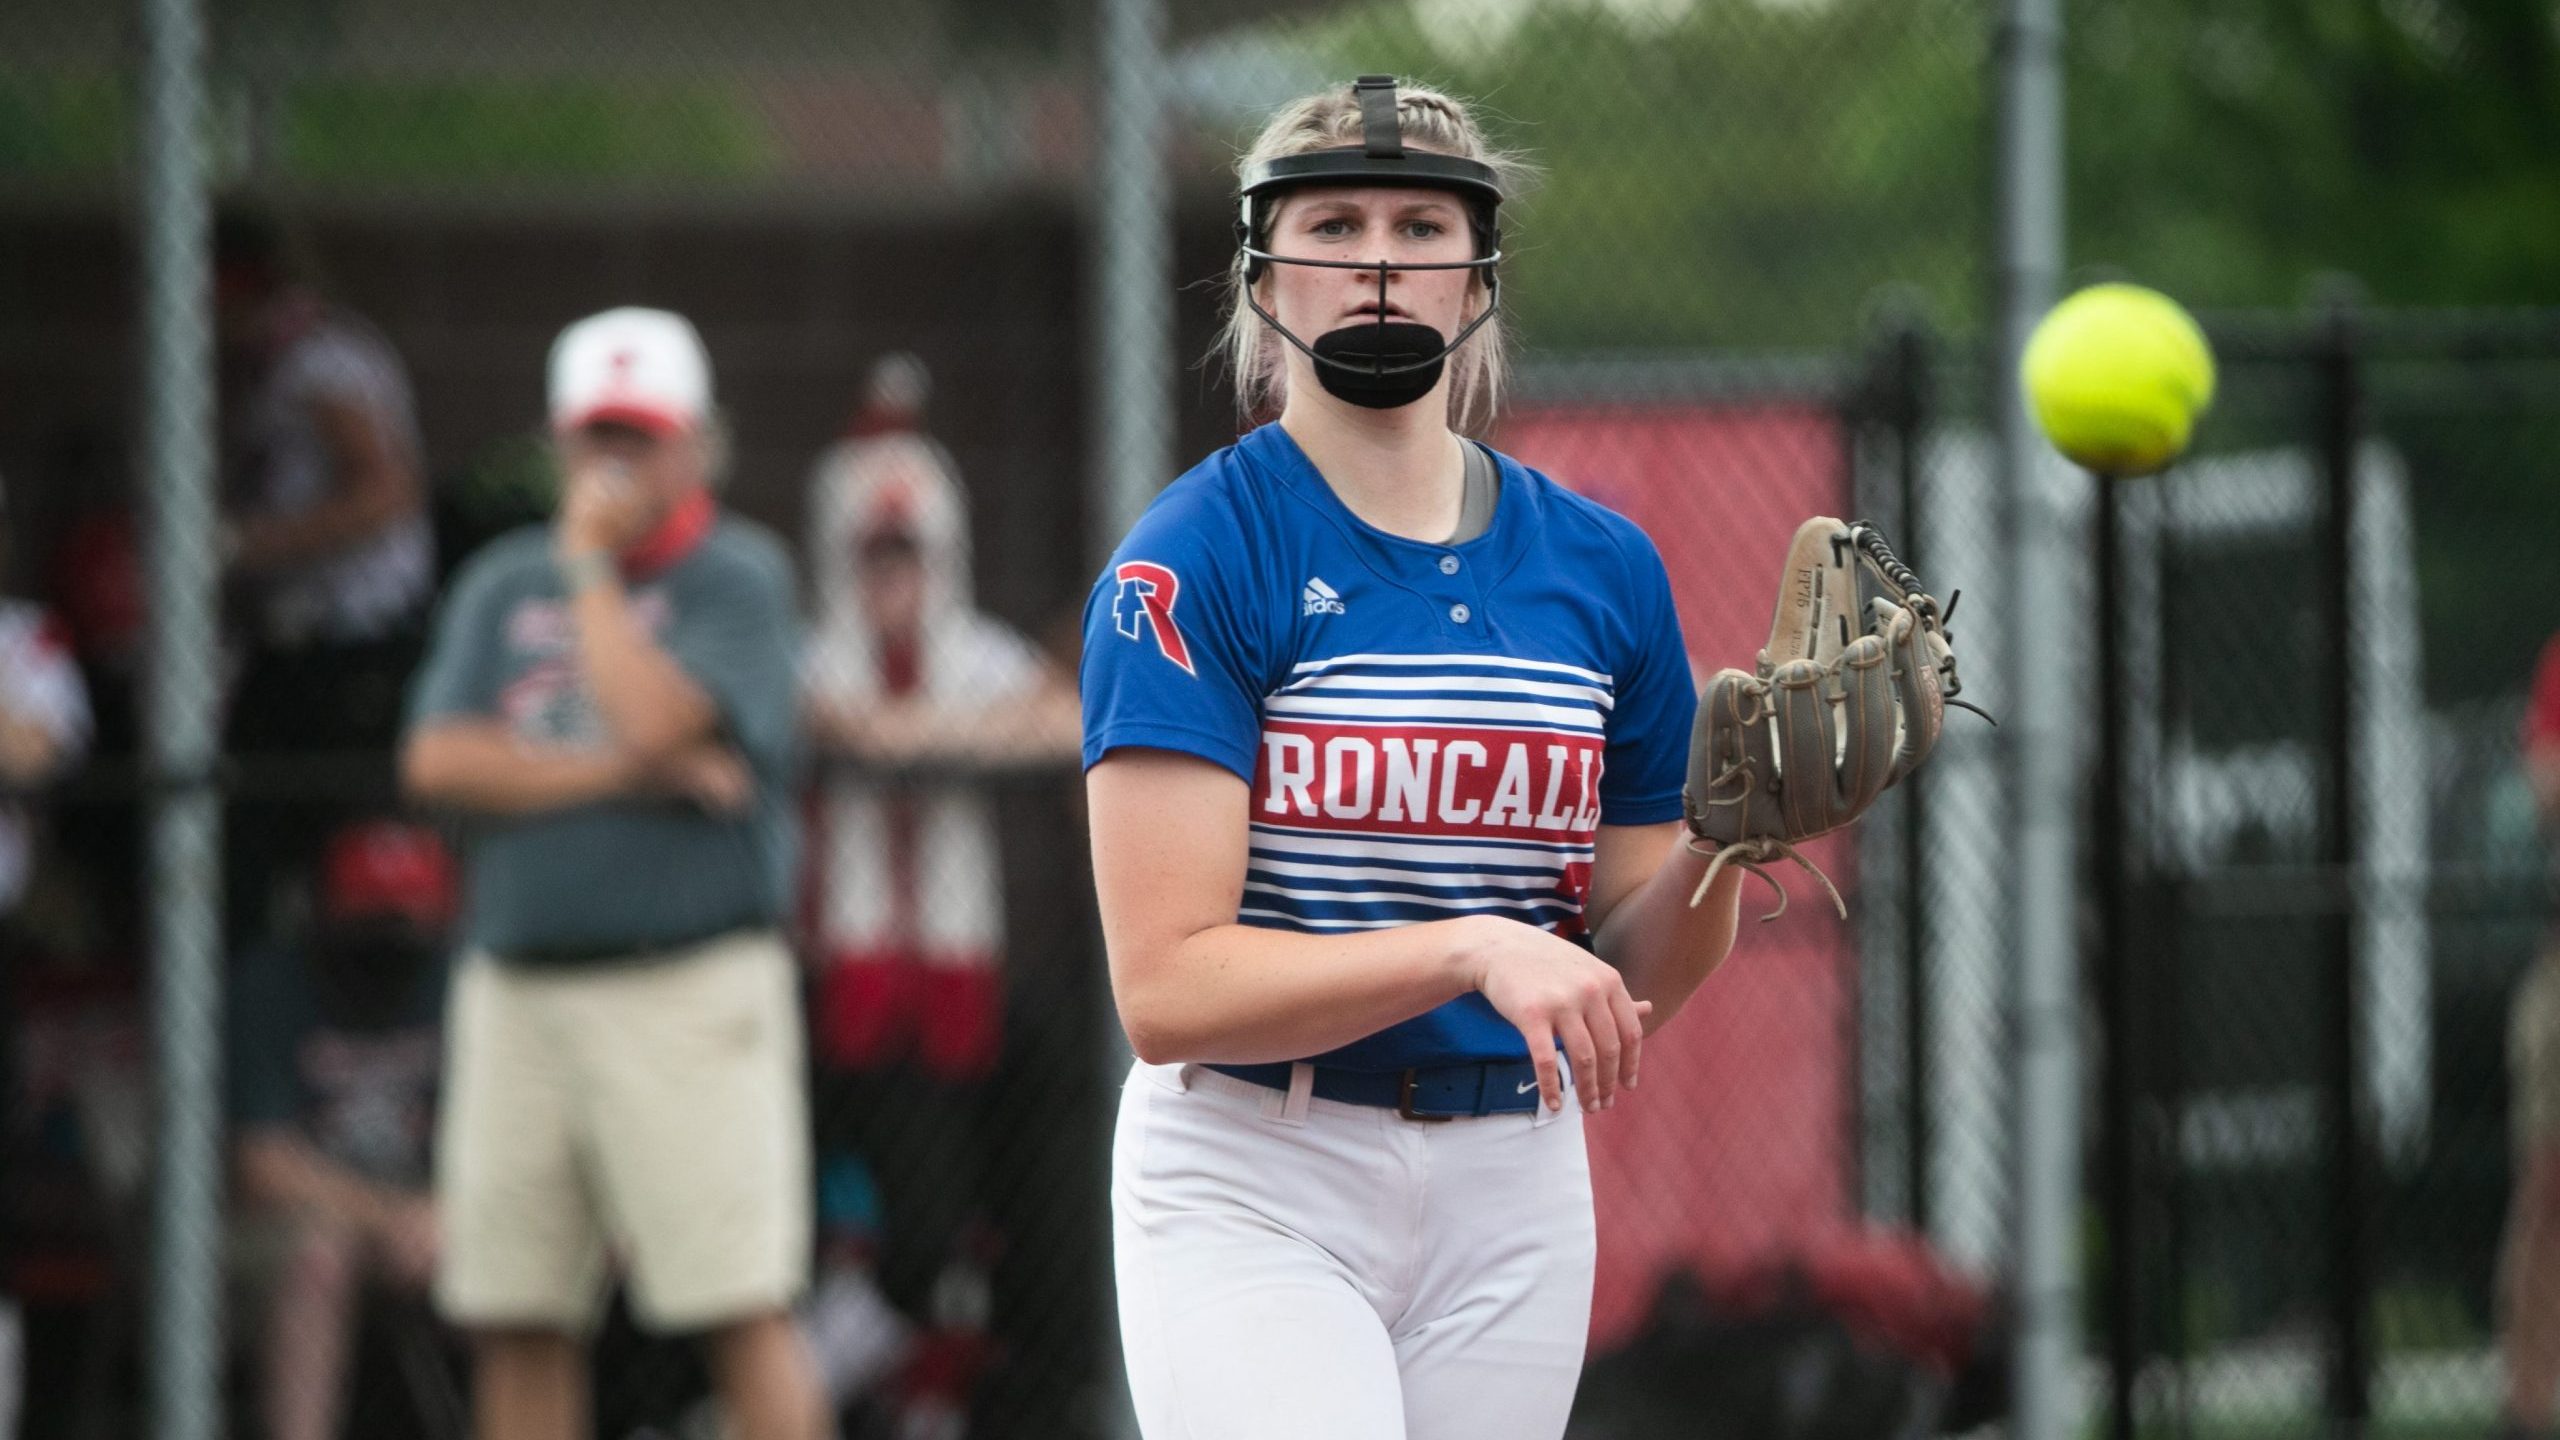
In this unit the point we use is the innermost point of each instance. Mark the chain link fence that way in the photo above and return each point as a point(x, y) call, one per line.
point(2331, 883)
point(918, 240)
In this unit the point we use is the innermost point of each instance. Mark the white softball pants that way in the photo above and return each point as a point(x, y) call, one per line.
point(1292, 1267)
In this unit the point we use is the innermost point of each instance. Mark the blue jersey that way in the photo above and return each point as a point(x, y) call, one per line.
point(1428, 730)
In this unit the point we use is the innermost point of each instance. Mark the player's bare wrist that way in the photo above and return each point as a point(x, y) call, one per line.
point(1471, 948)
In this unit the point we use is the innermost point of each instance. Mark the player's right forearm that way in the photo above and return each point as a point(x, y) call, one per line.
point(482, 767)
point(1243, 995)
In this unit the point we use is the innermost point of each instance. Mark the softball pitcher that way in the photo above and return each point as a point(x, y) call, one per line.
point(1385, 736)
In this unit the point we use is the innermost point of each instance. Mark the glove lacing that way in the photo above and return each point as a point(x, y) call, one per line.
point(1751, 852)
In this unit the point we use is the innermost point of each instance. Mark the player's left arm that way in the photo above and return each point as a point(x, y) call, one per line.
point(371, 485)
point(1642, 876)
point(1641, 920)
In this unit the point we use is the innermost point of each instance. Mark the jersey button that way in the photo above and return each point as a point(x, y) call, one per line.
point(1460, 613)
point(1448, 564)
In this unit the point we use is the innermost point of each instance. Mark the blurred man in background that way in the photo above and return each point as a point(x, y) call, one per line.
point(44, 726)
point(2530, 1278)
point(904, 670)
point(325, 539)
point(44, 722)
point(334, 1056)
point(612, 702)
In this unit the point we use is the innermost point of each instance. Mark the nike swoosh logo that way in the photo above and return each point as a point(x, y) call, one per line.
point(1525, 1089)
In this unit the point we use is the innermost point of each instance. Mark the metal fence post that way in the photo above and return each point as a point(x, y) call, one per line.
point(2047, 1017)
point(2120, 1194)
point(1131, 231)
point(178, 406)
point(1908, 405)
point(1885, 416)
point(1132, 237)
point(2164, 945)
point(2341, 420)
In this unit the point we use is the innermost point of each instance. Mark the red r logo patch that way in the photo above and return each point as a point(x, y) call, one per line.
point(1144, 607)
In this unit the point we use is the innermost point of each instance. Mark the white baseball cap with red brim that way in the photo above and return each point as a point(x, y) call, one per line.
point(636, 367)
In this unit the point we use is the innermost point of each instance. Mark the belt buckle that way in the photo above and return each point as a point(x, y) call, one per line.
point(1404, 1103)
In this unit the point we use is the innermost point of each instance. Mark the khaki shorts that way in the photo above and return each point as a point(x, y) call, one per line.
point(654, 1110)
point(2533, 1057)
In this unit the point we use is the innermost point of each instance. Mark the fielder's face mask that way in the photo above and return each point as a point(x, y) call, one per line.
point(1391, 363)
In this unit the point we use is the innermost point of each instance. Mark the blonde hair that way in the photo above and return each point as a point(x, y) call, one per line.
point(1427, 119)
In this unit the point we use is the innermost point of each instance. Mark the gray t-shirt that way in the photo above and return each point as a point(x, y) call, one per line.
point(622, 875)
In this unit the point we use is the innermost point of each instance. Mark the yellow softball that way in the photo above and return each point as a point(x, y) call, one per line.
point(2117, 375)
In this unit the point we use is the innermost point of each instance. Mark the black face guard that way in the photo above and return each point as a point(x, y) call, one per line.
point(1381, 159)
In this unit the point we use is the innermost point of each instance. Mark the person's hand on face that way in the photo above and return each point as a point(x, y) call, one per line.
point(612, 492)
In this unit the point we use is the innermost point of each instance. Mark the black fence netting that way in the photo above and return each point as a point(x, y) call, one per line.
point(2323, 886)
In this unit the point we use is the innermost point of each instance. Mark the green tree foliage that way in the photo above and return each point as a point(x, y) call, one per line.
point(1735, 175)
point(1748, 173)
point(1751, 174)
point(2231, 152)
